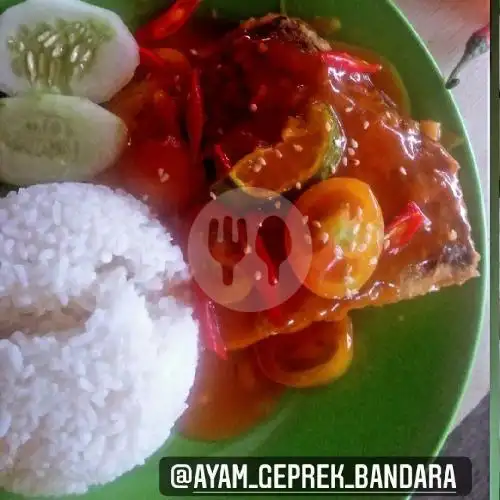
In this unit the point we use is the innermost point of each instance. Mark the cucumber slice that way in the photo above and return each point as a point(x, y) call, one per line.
point(50, 138)
point(65, 46)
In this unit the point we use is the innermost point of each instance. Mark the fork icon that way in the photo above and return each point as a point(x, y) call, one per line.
point(227, 245)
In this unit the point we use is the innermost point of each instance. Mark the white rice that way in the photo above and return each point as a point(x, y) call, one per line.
point(95, 370)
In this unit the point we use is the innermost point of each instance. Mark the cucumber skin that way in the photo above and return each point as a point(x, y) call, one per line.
point(52, 138)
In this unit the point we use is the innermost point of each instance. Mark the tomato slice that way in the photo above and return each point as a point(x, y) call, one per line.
point(315, 356)
point(163, 175)
point(347, 229)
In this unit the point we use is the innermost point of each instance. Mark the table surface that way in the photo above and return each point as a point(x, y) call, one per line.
point(444, 26)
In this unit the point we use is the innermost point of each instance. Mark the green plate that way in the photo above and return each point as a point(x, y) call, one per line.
point(412, 359)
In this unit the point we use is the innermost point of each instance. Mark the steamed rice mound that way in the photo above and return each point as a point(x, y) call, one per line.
point(95, 367)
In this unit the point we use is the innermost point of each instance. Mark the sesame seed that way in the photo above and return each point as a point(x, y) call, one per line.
point(258, 276)
point(219, 66)
point(164, 178)
point(328, 126)
point(366, 124)
point(349, 294)
point(145, 198)
point(262, 161)
point(402, 170)
point(308, 238)
point(348, 109)
point(373, 261)
point(257, 167)
point(338, 252)
point(298, 185)
point(355, 229)
point(325, 237)
point(262, 47)
point(351, 152)
point(349, 280)
point(253, 107)
point(316, 223)
point(344, 161)
point(298, 147)
point(356, 162)
point(338, 142)
point(452, 235)
point(220, 131)
point(387, 243)
point(354, 143)
point(278, 204)
point(359, 212)
point(279, 154)
point(305, 219)
point(247, 250)
point(388, 115)
point(194, 52)
point(213, 195)
point(161, 171)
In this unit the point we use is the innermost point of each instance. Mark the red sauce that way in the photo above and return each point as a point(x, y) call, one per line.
point(385, 150)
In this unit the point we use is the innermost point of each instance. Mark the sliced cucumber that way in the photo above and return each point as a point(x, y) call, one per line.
point(65, 46)
point(49, 138)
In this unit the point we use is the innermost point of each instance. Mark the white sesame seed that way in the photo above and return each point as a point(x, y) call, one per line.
point(161, 171)
point(213, 195)
point(194, 52)
point(316, 223)
point(253, 107)
point(298, 185)
point(388, 114)
point(452, 235)
point(262, 161)
point(354, 143)
point(366, 124)
point(348, 109)
point(219, 66)
point(338, 252)
point(355, 229)
point(356, 162)
point(279, 154)
point(220, 131)
point(247, 250)
point(338, 142)
point(325, 237)
point(164, 178)
point(373, 261)
point(278, 205)
point(359, 212)
point(145, 198)
point(257, 167)
point(258, 276)
point(328, 126)
point(298, 147)
point(351, 152)
point(305, 219)
point(344, 161)
point(349, 280)
point(402, 170)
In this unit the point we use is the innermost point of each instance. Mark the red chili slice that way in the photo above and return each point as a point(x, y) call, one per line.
point(195, 114)
point(222, 159)
point(209, 323)
point(400, 232)
point(168, 23)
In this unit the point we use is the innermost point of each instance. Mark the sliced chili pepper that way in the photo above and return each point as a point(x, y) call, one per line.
point(209, 323)
point(403, 228)
point(477, 44)
point(345, 62)
point(150, 60)
point(222, 159)
point(269, 292)
point(167, 23)
point(195, 118)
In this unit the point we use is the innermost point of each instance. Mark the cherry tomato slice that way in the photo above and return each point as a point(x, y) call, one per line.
point(312, 357)
point(347, 229)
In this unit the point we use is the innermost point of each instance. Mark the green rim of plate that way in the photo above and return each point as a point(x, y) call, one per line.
point(412, 359)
